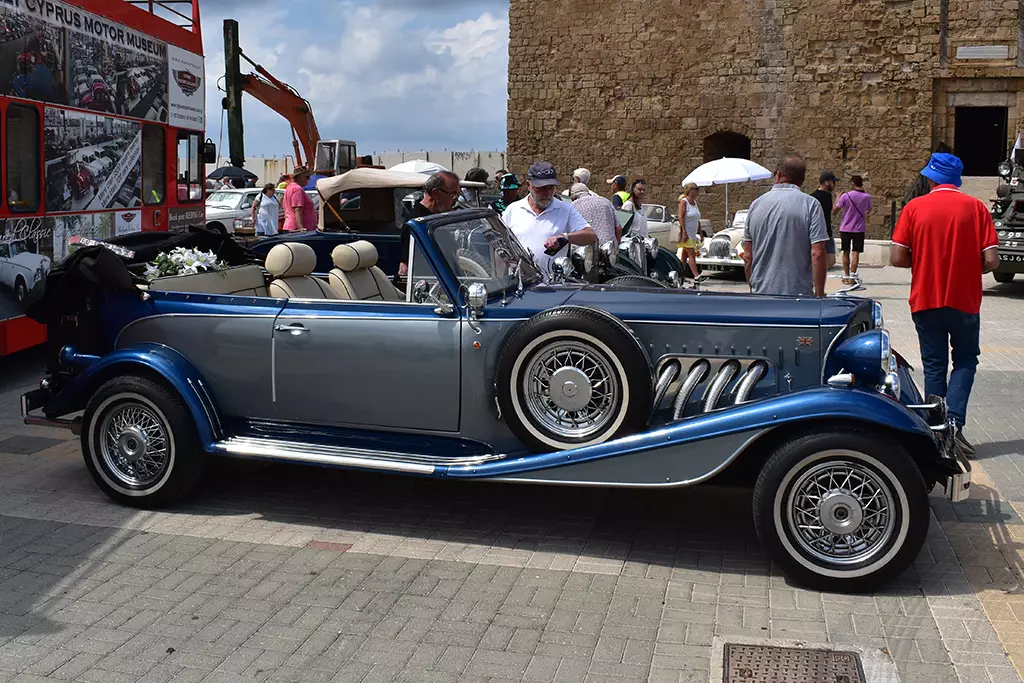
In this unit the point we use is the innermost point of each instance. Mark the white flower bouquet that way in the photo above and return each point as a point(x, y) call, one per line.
point(182, 261)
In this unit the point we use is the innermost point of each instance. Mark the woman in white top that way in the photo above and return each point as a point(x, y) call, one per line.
point(265, 211)
point(635, 205)
point(689, 226)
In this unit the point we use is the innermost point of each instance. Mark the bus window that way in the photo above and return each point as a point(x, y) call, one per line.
point(22, 161)
point(154, 179)
point(190, 175)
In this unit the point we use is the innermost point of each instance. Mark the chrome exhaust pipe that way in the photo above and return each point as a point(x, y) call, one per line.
point(725, 375)
point(698, 373)
point(755, 373)
point(669, 373)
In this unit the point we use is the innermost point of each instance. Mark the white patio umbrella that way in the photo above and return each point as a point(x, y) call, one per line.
point(418, 166)
point(725, 171)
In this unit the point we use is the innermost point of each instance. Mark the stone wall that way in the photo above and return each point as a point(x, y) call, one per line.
point(635, 86)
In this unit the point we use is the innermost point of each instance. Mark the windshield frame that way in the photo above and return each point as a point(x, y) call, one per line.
point(425, 227)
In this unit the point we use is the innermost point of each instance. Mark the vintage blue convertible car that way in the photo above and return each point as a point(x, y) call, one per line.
point(496, 376)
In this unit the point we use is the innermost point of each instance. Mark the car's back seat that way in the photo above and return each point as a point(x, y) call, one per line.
point(241, 281)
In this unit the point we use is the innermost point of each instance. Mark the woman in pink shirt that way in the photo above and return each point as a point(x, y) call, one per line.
point(299, 214)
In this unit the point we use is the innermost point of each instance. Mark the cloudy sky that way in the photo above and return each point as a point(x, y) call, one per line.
point(389, 74)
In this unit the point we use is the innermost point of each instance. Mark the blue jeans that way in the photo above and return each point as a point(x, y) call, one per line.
point(939, 330)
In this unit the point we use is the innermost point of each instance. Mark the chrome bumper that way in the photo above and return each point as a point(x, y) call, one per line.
point(710, 262)
point(37, 399)
point(958, 484)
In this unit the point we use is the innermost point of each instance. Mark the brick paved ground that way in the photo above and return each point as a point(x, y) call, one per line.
point(284, 573)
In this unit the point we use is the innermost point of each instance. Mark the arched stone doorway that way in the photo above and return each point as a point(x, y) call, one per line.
point(726, 143)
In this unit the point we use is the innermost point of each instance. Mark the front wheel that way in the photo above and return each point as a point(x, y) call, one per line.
point(20, 289)
point(841, 510)
point(1003, 277)
point(140, 443)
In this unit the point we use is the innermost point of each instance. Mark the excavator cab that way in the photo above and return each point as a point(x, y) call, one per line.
point(334, 157)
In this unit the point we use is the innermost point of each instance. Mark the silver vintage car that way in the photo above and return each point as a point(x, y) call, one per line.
point(489, 374)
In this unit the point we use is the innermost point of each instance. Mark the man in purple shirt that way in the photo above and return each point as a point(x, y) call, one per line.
point(856, 207)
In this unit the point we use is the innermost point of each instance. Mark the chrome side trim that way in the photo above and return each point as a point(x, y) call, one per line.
point(344, 456)
point(831, 345)
point(716, 324)
point(653, 485)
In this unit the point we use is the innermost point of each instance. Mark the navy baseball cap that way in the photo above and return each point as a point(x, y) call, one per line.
point(827, 176)
point(542, 174)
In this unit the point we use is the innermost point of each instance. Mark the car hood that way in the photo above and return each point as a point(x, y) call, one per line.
point(734, 235)
point(716, 308)
point(220, 212)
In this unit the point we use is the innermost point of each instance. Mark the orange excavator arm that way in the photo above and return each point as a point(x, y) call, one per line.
point(287, 102)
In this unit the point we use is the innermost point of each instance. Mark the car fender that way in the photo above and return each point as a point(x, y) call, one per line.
point(821, 404)
point(150, 359)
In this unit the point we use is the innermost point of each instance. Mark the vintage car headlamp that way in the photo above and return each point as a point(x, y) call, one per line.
point(867, 356)
point(610, 252)
point(583, 258)
point(733, 253)
point(652, 247)
point(703, 250)
point(877, 319)
point(1005, 169)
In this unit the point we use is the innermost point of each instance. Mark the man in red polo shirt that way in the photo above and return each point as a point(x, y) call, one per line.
point(948, 240)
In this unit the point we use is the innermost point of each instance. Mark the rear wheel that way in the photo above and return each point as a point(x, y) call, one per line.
point(1003, 277)
point(20, 289)
point(841, 510)
point(140, 443)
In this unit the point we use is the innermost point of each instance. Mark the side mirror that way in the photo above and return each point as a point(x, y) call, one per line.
point(420, 291)
point(560, 268)
point(209, 152)
point(476, 298)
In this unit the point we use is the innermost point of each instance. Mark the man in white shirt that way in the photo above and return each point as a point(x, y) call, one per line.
point(540, 223)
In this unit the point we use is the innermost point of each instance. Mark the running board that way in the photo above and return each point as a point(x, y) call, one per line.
point(342, 456)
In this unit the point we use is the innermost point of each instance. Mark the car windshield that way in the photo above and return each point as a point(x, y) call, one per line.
point(223, 200)
point(18, 248)
point(654, 212)
point(483, 250)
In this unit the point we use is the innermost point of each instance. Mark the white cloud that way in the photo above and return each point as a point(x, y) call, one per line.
point(385, 75)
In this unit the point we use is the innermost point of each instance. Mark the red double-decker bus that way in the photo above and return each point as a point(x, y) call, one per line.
point(102, 112)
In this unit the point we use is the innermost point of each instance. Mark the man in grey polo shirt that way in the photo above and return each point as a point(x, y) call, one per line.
point(784, 239)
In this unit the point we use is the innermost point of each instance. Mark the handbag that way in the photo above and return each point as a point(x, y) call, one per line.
point(675, 234)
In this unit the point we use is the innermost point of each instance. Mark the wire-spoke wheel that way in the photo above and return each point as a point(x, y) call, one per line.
point(839, 510)
point(571, 388)
point(571, 377)
point(140, 443)
point(134, 445)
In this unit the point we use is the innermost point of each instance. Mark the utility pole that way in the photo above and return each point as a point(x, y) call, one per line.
point(233, 99)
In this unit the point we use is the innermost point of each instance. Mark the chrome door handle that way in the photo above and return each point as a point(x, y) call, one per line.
point(295, 329)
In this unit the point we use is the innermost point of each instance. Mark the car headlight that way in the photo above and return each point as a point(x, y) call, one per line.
point(610, 252)
point(583, 258)
point(1005, 168)
point(877, 320)
point(733, 253)
point(652, 246)
point(703, 251)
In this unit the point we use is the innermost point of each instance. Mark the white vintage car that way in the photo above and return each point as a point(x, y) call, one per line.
point(724, 250)
point(659, 222)
point(21, 269)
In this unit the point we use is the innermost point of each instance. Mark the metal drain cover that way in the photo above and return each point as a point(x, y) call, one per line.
point(763, 664)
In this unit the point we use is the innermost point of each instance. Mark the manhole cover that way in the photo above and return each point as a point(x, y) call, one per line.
point(762, 664)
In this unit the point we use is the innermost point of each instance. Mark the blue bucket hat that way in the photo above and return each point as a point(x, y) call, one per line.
point(945, 169)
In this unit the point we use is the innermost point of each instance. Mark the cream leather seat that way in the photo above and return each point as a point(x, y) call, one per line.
point(291, 264)
point(356, 275)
